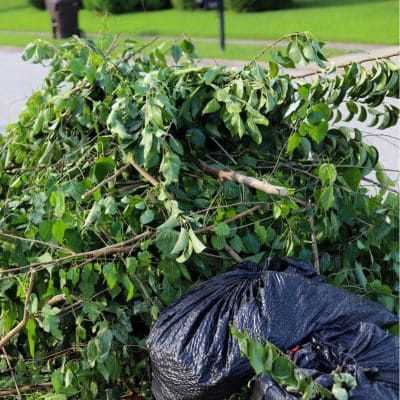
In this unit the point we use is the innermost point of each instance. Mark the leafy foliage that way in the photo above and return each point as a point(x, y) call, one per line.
point(101, 194)
point(41, 4)
point(267, 358)
point(184, 4)
point(257, 5)
point(124, 6)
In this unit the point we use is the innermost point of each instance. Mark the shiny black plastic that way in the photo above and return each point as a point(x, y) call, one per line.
point(194, 356)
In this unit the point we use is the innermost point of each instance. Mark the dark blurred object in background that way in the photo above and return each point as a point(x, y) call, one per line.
point(64, 17)
point(38, 4)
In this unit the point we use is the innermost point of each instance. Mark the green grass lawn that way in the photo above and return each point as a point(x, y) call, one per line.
point(359, 21)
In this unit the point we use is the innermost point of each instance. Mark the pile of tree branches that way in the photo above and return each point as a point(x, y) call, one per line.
point(128, 179)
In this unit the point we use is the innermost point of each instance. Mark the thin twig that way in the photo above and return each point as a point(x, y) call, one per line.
point(314, 239)
point(26, 388)
point(58, 298)
point(109, 179)
point(232, 254)
point(35, 241)
point(21, 325)
point(227, 221)
point(223, 150)
point(12, 372)
point(145, 174)
point(114, 44)
point(346, 64)
point(104, 251)
point(380, 185)
point(245, 180)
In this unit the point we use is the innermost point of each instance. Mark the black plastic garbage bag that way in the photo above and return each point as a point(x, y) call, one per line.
point(194, 356)
point(365, 351)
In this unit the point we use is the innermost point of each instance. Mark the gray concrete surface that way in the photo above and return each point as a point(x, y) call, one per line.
point(19, 79)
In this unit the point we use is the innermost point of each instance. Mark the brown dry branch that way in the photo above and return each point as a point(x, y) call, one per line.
point(12, 372)
point(144, 174)
point(21, 325)
point(26, 388)
point(105, 181)
point(314, 239)
point(104, 251)
point(232, 254)
point(244, 180)
point(35, 241)
point(346, 64)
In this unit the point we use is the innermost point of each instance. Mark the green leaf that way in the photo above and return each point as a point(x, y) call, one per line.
point(339, 392)
point(111, 274)
point(129, 286)
point(176, 53)
point(282, 368)
point(211, 106)
point(319, 132)
point(102, 167)
point(31, 329)
point(256, 356)
point(293, 141)
point(382, 177)
point(198, 246)
point(58, 201)
point(57, 379)
point(58, 230)
point(147, 217)
point(352, 176)
point(326, 197)
point(218, 242)
point(222, 229)
point(170, 167)
point(182, 242)
point(211, 74)
point(327, 173)
point(93, 216)
point(269, 361)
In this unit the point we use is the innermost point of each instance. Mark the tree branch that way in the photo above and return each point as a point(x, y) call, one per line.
point(104, 251)
point(18, 328)
point(12, 372)
point(346, 64)
point(232, 254)
point(26, 388)
point(144, 173)
point(105, 181)
point(314, 239)
point(227, 221)
point(35, 241)
point(245, 180)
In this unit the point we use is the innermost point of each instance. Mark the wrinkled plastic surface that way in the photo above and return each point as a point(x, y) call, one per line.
point(367, 352)
point(194, 356)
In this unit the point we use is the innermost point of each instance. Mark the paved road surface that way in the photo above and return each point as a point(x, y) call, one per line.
point(19, 79)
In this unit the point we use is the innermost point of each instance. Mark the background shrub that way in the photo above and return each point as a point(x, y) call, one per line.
point(184, 4)
point(153, 4)
point(123, 6)
point(257, 5)
point(111, 6)
point(38, 4)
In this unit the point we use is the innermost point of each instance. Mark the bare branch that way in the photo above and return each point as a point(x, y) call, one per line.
point(144, 173)
point(314, 239)
point(232, 254)
point(12, 372)
point(346, 64)
point(105, 181)
point(35, 241)
point(104, 251)
point(245, 180)
point(227, 221)
point(26, 388)
point(21, 325)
